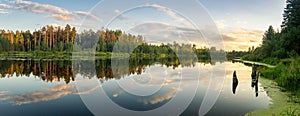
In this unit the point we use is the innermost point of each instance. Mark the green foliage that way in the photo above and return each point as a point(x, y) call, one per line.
point(291, 16)
point(282, 44)
point(291, 111)
point(279, 45)
point(251, 57)
point(5, 45)
point(237, 54)
point(68, 47)
point(44, 46)
point(285, 74)
point(46, 39)
point(272, 61)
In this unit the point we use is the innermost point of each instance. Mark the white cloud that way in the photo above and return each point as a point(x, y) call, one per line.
point(242, 39)
point(55, 12)
point(162, 98)
point(164, 33)
point(117, 11)
point(3, 12)
point(6, 6)
point(55, 25)
point(220, 24)
point(122, 16)
point(55, 92)
point(2, 93)
point(172, 14)
point(86, 26)
point(234, 39)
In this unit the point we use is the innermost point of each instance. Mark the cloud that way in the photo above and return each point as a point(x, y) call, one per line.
point(5, 6)
point(87, 14)
point(164, 33)
point(234, 39)
point(3, 12)
point(55, 12)
point(242, 39)
point(253, 40)
point(86, 26)
point(55, 25)
point(56, 92)
point(162, 98)
point(2, 92)
point(221, 24)
point(172, 14)
point(122, 16)
point(117, 11)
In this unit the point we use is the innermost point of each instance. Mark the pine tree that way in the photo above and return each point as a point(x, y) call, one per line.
point(67, 33)
point(73, 35)
point(291, 16)
point(269, 34)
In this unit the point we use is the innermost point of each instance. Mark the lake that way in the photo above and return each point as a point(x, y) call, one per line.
point(128, 87)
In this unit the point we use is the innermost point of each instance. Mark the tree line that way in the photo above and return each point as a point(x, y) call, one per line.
point(282, 48)
point(53, 39)
point(284, 43)
point(48, 38)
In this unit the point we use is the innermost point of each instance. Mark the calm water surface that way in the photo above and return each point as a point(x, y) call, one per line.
point(31, 87)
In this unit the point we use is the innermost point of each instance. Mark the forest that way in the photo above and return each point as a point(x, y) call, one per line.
point(46, 39)
point(282, 48)
point(58, 40)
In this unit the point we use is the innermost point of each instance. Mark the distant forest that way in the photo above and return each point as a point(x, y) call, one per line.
point(48, 38)
point(58, 39)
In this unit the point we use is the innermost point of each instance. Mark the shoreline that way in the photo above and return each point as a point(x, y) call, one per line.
point(253, 62)
point(281, 102)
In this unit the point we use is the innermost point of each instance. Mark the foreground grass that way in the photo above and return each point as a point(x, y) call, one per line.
point(286, 74)
point(283, 103)
point(282, 84)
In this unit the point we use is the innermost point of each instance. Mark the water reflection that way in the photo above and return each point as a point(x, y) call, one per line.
point(61, 74)
point(235, 82)
point(57, 70)
point(254, 84)
point(254, 76)
point(48, 71)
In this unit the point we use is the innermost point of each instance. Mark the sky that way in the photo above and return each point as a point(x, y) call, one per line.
point(226, 24)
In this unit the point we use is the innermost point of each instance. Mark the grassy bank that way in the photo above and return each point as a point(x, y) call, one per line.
point(282, 86)
point(283, 103)
point(246, 62)
point(286, 71)
point(35, 55)
point(286, 74)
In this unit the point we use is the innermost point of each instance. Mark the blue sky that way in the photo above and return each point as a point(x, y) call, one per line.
point(241, 23)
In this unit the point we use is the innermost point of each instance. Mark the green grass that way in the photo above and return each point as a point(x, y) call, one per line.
point(284, 90)
point(283, 103)
point(291, 111)
point(286, 74)
point(272, 61)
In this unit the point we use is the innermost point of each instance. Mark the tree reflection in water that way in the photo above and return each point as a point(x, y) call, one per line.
point(235, 82)
point(57, 70)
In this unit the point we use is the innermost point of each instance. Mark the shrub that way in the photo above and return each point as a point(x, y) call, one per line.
point(286, 75)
